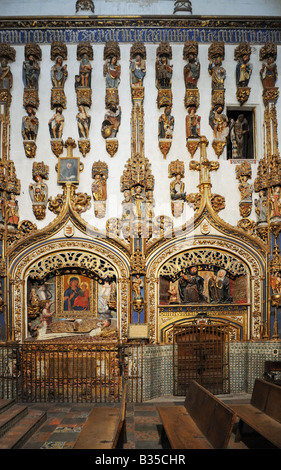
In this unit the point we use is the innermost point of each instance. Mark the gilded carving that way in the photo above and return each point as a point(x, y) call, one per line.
point(177, 187)
point(111, 146)
point(99, 187)
point(30, 124)
point(59, 75)
point(84, 147)
point(192, 129)
point(83, 80)
point(164, 73)
point(38, 191)
point(31, 73)
point(231, 255)
point(7, 53)
point(220, 125)
point(268, 72)
point(137, 70)
point(42, 260)
point(137, 184)
point(57, 147)
point(166, 124)
point(191, 74)
point(244, 70)
point(112, 72)
point(84, 5)
point(215, 68)
point(112, 118)
point(56, 124)
point(243, 173)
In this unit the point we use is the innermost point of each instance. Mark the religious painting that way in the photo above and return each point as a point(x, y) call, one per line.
point(77, 293)
point(71, 304)
point(68, 170)
point(202, 286)
point(241, 135)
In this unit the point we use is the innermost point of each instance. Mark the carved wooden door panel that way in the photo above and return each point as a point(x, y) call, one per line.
point(201, 353)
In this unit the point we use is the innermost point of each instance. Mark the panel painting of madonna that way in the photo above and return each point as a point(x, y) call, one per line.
point(72, 306)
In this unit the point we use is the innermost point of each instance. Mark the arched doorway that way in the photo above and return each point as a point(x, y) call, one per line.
point(201, 353)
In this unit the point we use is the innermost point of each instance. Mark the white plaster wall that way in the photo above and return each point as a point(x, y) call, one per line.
point(223, 181)
point(141, 7)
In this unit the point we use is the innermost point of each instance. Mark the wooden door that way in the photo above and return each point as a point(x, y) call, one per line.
point(201, 353)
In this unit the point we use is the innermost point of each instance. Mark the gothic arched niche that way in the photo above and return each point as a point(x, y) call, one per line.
point(70, 290)
point(215, 277)
point(203, 277)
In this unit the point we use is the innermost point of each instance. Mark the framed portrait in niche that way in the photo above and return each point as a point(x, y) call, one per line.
point(68, 170)
point(71, 303)
point(77, 295)
point(241, 139)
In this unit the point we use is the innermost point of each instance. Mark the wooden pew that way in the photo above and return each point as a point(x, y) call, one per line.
point(263, 413)
point(269, 368)
point(105, 427)
point(204, 422)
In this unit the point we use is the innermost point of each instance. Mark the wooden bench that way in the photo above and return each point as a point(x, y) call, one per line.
point(269, 368)
point(263, 413)
point(204, 422)
point(105, 427)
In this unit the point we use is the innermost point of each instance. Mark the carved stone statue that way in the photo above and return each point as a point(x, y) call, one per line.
point(177, 187)
point(191, 71)
point(217, 72)
point(137, 70)
point(166, 124)
point(30, 124)
point(239, 135)
point(6, 77)
point(261, 207)
point(111, 123)
point(31, 72)
point(164, 72)
point(192, 123)
point(219, 123)
point(56, 124)
point(83, 121)
point(243, 71)
point(275, 203)
point(268, 72)
point(112, 72)
point(12, 211)
point(38, 191)
point(99, 188)
point(59, 73)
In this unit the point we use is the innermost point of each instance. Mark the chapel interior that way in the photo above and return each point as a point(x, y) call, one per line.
point(140, 190)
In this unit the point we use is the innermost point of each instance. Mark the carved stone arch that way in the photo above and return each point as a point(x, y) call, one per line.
point(247, 256)
point(235, 329)
point(42, 259)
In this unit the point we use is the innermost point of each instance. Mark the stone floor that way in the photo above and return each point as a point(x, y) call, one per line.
point(65, 422)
